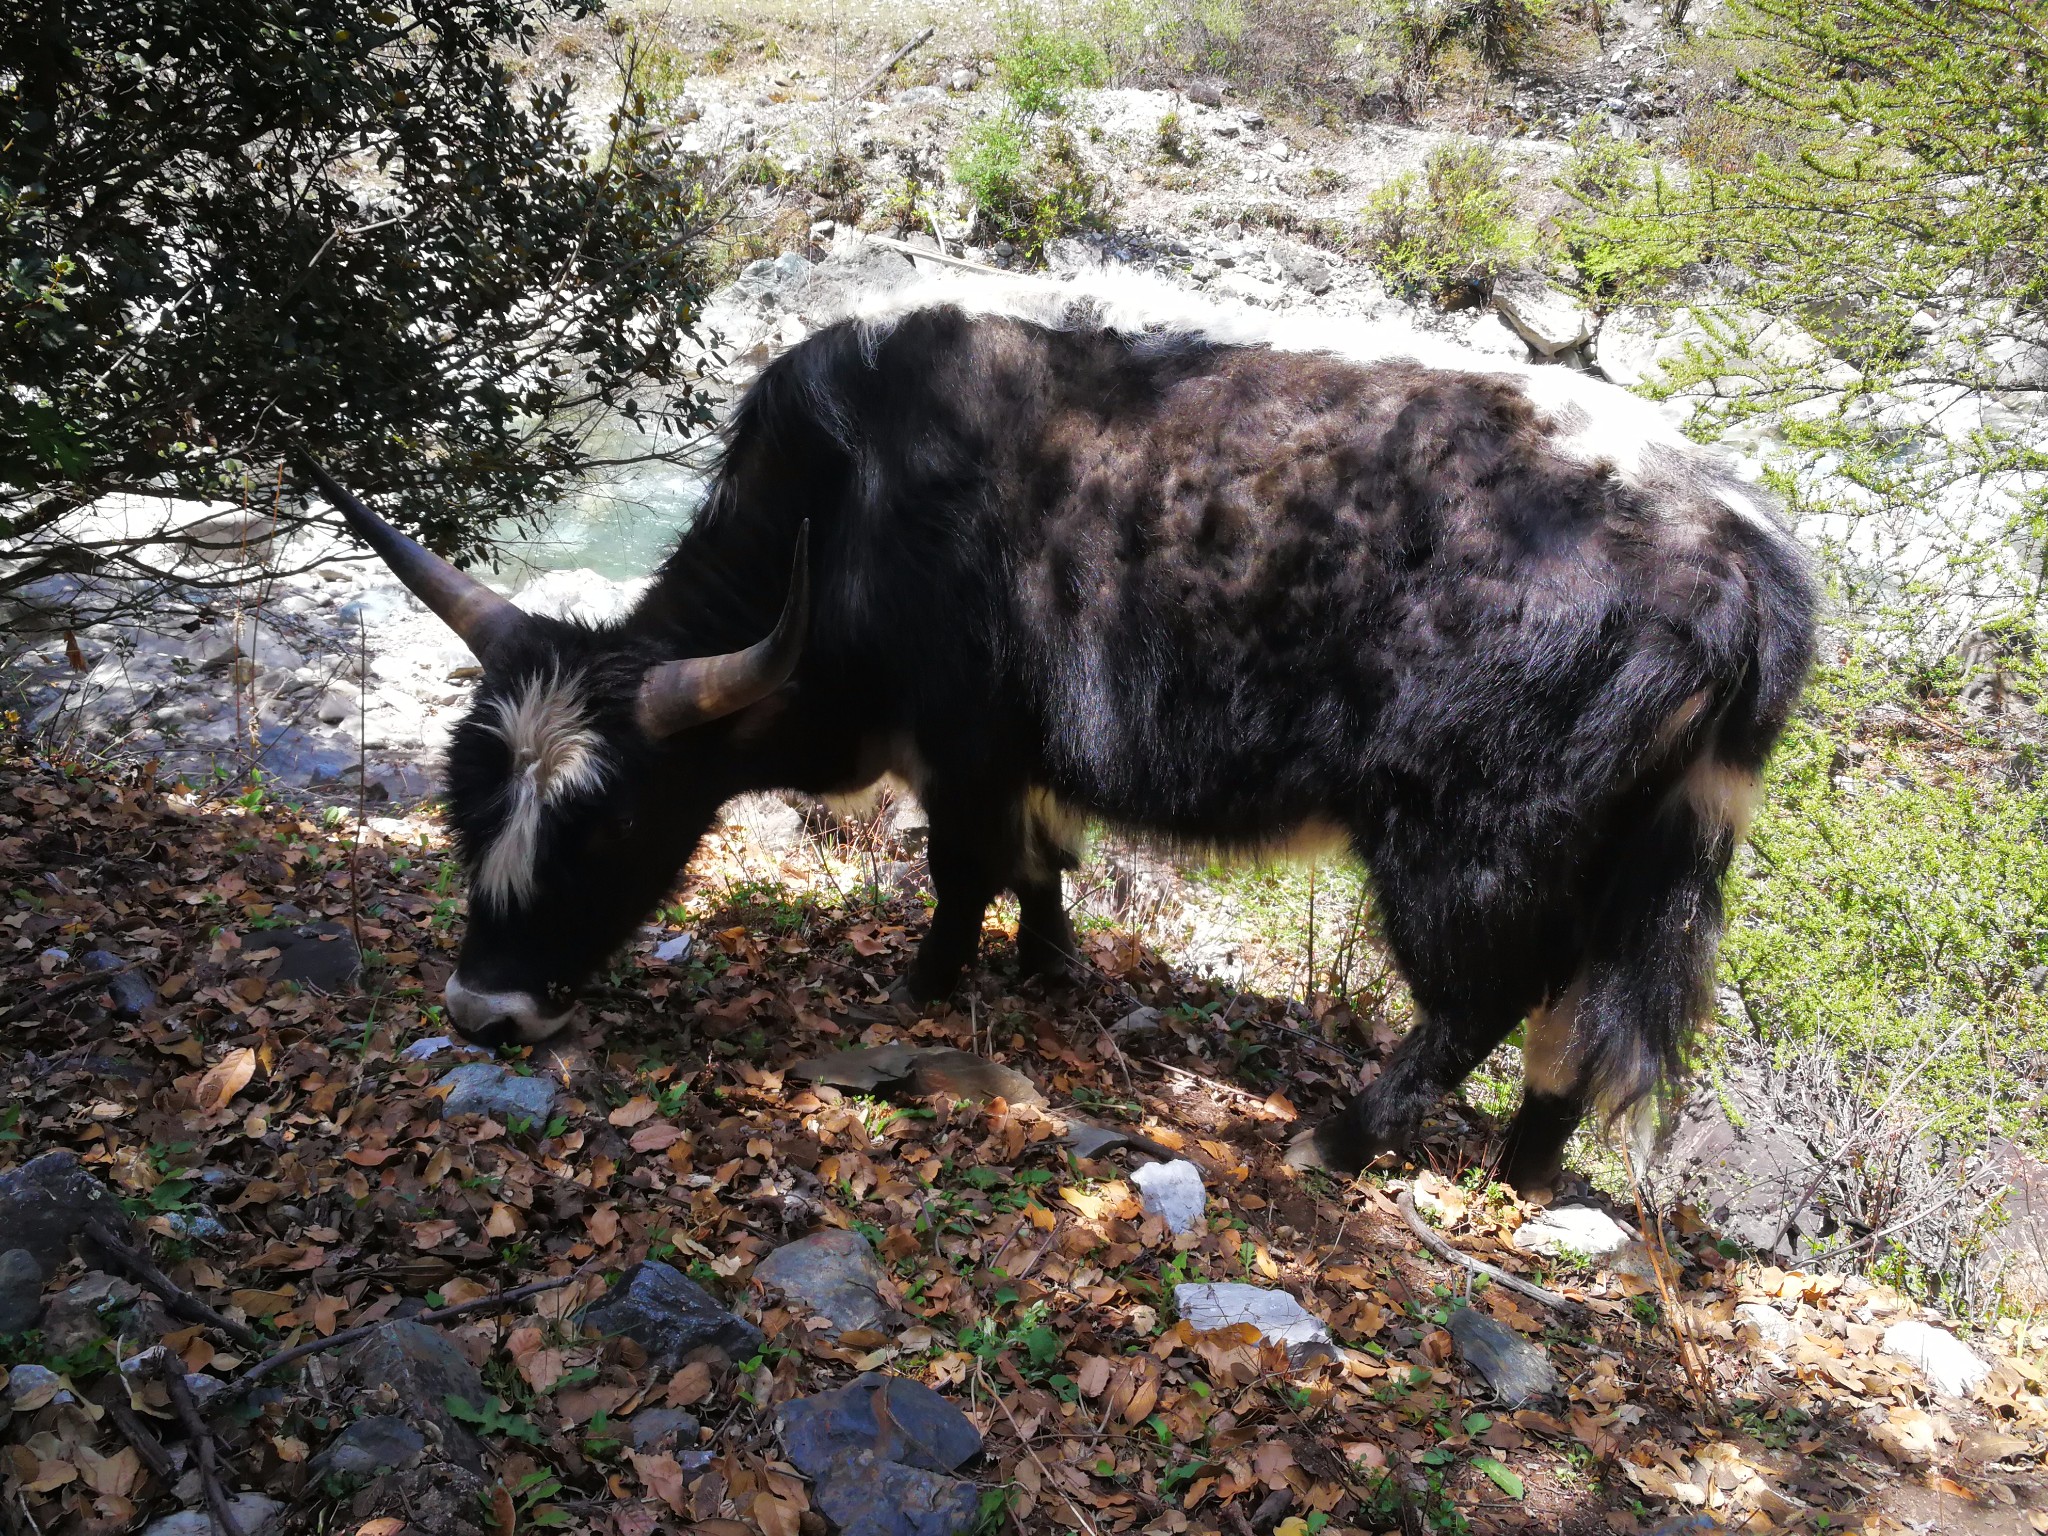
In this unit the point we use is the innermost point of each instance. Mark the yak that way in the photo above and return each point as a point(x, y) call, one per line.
point(1052, 555)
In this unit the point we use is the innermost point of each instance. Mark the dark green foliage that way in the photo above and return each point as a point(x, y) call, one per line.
point(1449, 231)
point(224, 224)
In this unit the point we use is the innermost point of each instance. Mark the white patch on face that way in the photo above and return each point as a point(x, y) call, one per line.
point(1596, 422)
point(555, 753)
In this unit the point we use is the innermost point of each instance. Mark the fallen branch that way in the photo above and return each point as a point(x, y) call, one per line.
point(1046, 1479)
point(893, 60)
point(492, 1303)
point(181, 1302)
point(27, 1006)
point(930, 255)
point(1690, 1358)
point(1439, 1246)
point(172, 1370)
point(113, 1396)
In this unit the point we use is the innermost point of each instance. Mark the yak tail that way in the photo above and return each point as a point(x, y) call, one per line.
point(1655, 930)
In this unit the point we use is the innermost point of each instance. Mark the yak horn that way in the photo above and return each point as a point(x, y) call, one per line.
point(484, 619)
point(700, 689)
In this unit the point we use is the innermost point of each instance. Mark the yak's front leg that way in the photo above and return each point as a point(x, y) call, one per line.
point(974, 845)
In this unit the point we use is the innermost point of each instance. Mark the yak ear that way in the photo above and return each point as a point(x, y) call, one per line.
point(699, 689)
point(484, 619)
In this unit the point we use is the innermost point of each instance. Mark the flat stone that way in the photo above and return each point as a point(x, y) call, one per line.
point(669, 1315)
point(489, 1088)
point(32, 1386)
point(46, 1203)
point(864, 1495)
point(673, 950)
point(1951, 1367)
point(253, 1513)
point(100, 1306)
point(662, 1429)
point(427, 1049)
point(371, 1447)
point(1572, 1230)
point(1207, 1306)
point(1551, 322)
point(21, 1291)
point(921, 1071)
point(833, 1274)
point(924, 1430)
point(411, 1369)
point(1205, 93)
point(1139, 1021)
point(1173, 1192)
point(1518, 1371)
point(1091, 1140)
point(1766, 1325)
point(316, 957)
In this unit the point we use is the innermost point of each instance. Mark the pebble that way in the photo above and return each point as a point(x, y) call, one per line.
point(1206, 1306)
point(1951, 1367)
point(671, 950)
point(923, 1429)
point(1766, 1325)
point(1173, 1192)
point(427, 1049)
point(31, 1386)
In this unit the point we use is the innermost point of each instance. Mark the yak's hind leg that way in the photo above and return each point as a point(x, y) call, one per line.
point(1553, 1099)
point(1052, 845)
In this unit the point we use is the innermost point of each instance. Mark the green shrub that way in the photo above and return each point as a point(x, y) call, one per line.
point(1042, 66)
point(1621, 244)
point(1174, 143)
point(1028, 193)
point(1889, 908)
point(1449, 230)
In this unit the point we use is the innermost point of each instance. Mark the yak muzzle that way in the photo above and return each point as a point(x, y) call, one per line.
point(503, 1018)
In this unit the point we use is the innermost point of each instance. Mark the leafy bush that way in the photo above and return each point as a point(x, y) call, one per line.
point(1450, 230)
point(1042, 66)
point(1028, 193)
point(1620, 245)
point(1174, 143)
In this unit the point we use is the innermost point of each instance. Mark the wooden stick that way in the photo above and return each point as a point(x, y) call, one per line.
point(182, 1302)
point(1044, 1473)
point(172, 1370)
point(893, 60)
point(1437, 1245)
point(284, 1357)
point(23, 1009)
point(113, 1396)
point(1695, 1369)
point(929, 255)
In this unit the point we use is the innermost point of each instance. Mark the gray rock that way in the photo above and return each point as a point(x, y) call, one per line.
point(427, 1048)
point(834, 1274)
point(317, 957)
point(1173, 1192)
point(32, 1386)
point(924, 1430)
point(1748, 1176)
point(770, 824)
point(128, 987)
point(195, 1226)
point(669, 1316)
point(1766, 1325)
point(254, 1514)
point(1517, 1370)
point(1579, 1230)
point(409, 1368)
point(335, 706)
point(1138, 1022)
point(1205, 93)
point(963, 80)
point(488, 1088)
point(1206, 1306)
point(1304, 266)
point(99, 1306)
point(864, 1495)
point(1091, 1140)
point(46, 1203)
point(21, 1291)
point(1551, 322)
point(370, 1448)
point(1951, 1367)
point(662, 1429)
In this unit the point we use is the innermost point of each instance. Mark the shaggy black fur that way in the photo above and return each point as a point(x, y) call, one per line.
point(1216, 593)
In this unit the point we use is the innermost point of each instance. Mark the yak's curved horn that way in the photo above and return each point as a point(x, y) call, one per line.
point(699, 689)
point(483, 618)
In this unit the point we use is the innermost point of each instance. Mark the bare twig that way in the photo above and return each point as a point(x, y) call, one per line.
point(929, 255)
point(57, 994)
point(1688, 1352)
point(181, 1302)
point(113, 1396)
point(1044, 1474)
point(1206, 1082)
point(172, 1370)
point(893, 60)
point(1437, 1245)
point(492, 1303)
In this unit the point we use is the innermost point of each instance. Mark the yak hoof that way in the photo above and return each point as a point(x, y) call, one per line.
point(1331, 1147)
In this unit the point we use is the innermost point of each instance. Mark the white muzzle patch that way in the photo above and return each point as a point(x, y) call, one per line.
point(503, 1018)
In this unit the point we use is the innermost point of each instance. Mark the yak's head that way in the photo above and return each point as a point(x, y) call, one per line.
point(578, 783)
